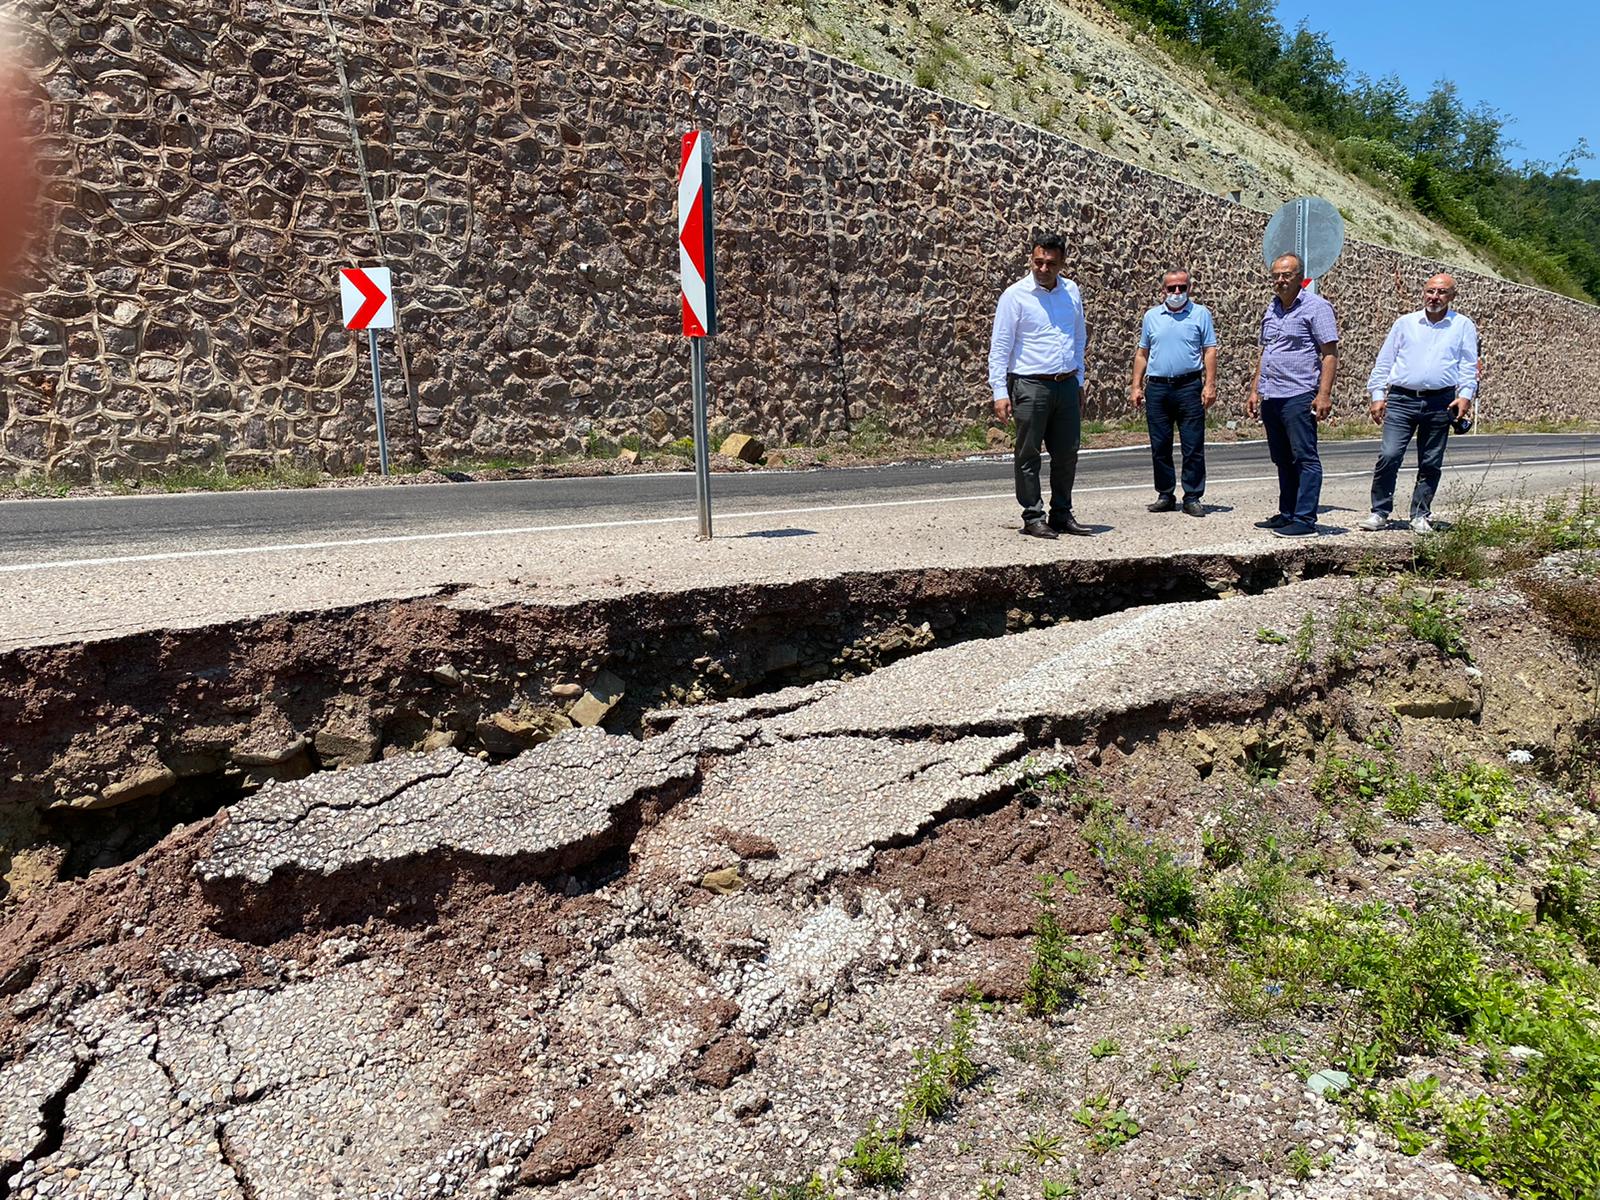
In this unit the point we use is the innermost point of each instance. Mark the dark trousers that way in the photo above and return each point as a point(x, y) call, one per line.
point(1166, 405)
point(1430, 421)
point(1292, 442)
point(1047, 415)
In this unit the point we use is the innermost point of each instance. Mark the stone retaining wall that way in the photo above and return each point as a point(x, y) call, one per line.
point(204, 190)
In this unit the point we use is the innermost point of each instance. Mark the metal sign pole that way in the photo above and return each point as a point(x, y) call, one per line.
point(377, 399)
point(698, 292)
point(1301, 237)
point(702, 448)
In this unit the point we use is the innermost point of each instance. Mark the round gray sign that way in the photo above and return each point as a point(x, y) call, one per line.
point(1310, 227)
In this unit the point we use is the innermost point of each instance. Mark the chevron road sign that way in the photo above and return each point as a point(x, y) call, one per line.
point(366, 295)
point(698, 275)
point(698, 291)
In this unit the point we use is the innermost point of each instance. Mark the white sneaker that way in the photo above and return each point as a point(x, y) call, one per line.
point(1420, 525)
point(1375, 522)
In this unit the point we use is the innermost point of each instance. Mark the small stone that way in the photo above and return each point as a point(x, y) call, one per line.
point(723, 882)
point(566, 691)
point(601, 696)
point(447, 675)
point(743, 447)
point(1328, 1080)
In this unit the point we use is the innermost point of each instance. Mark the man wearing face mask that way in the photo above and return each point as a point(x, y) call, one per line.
point(1036, 371)
point(1426, 377)
point(1175, 382)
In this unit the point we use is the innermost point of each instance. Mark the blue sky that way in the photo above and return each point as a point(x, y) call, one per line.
point(1529, 59)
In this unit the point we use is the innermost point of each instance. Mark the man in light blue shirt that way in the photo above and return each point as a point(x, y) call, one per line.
point(1175, 381)
point(1426, 377)
point(1036, 372)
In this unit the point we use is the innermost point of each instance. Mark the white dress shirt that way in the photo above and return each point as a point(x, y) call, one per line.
point(1427, 356)
point(1036, 332)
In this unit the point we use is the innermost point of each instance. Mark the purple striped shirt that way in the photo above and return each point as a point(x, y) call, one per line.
point(1290, 363)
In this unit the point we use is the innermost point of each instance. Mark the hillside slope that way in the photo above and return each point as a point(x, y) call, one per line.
point(1077, 69)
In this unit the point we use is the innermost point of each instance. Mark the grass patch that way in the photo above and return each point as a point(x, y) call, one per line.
point(1159, 890)
point(1056, 975)
point(1485, 540)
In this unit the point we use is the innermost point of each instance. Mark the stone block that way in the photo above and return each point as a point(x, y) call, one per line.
point(743, 447)
point(605, 690)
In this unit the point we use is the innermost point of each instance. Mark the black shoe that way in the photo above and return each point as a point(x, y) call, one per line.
point(1295, 529)
point(1039, 529)
point(1069, 524)
point(1194, 508)
point(1163, 504)
point(1277, 522)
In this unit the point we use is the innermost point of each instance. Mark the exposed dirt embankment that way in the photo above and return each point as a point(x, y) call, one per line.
point(716, 955)
point(113, 742)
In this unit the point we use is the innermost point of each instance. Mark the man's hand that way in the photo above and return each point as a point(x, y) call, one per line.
point(1461, 406)
point(1376, 410)
point(1321, 406)
point(1208, 395)
point(1252, 405)
point(1136, 396)
point(1002, 407)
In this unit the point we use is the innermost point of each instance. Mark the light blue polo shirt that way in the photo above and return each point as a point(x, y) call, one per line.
point(1177, 340)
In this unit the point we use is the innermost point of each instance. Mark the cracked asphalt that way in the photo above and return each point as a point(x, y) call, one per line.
point(574, 983)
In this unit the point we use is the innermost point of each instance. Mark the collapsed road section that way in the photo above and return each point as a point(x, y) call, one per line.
point(711, 958)
point(109, 744)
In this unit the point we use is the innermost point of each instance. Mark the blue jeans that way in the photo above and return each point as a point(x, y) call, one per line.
point(1430, 421)
point(1165, 406)
point(1292, 442)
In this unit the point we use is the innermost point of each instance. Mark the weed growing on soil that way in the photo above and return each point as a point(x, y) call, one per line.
point(1432, 618)
point(1159, 890)
point(1057, 1189)
point(1043, 1147)
point(1302, 1165)
point(1171, 1072)
point(1056, 975)
point(1518, 534)
point(1464, 965)
point(814, 1188)
point(878, 1158)
point(1271, 637)
point(1476, 797)
point(942, 1071)
point(1108, 1128)
point(1105, 1048)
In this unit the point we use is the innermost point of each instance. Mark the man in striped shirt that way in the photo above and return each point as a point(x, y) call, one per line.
point(1426, 377)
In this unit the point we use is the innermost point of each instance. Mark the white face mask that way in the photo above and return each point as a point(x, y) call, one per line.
point(1176, 300)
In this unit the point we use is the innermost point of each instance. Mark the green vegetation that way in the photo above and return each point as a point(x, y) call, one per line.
point(1043, 1147)
point(814, 1188)
point(1462, 964)
point(1108, 1128)
point(1158, 889)
point(943, 1071)
point(1056, 975)
point(1451, 163)
point(1510, 536)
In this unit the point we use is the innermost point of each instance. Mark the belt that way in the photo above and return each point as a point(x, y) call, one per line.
point(1431, 394)
point(1048, 378)
point(1176, 380)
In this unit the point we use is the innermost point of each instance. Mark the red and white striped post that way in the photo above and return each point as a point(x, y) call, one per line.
point(698, 291)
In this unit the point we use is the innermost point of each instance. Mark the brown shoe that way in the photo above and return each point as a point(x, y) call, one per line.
point(1038, 529)
point(1069, 524)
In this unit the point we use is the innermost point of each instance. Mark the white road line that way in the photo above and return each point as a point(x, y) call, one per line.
point(578, 527)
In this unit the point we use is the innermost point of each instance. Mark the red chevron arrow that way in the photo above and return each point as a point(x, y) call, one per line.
point(374, 296)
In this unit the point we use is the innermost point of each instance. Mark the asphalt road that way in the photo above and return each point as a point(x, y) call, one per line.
point(59, 531)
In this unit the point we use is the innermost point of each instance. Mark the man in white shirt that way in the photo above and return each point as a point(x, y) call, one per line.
point(1426, 377)
point(1036, 372)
